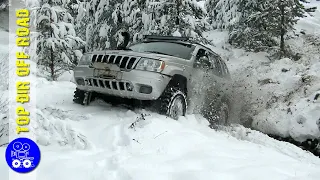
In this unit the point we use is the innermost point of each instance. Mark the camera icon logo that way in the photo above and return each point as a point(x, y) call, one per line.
point(20, 155)
point(23, 155)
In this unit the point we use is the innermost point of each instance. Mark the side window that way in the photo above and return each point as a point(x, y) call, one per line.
point(217, 65)
point(202, 60)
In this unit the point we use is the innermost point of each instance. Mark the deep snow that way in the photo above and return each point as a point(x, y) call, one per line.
point(278, 96)
point(154, 148)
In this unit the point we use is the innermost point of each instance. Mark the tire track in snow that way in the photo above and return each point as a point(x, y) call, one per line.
point(110, 168)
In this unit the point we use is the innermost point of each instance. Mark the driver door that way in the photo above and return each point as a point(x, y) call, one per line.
point(200, 81)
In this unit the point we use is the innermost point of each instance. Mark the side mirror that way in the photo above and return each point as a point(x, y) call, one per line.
point(203, 62)
point(203, 59)
point(126, 39)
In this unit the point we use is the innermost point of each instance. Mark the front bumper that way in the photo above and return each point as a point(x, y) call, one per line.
point(135, 84)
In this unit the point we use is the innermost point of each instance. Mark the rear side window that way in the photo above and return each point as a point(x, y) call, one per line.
point(202, 62)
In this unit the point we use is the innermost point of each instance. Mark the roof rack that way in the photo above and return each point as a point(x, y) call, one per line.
point(172, 38)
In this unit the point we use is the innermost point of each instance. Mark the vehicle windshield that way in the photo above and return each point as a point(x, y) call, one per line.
point(167, 48)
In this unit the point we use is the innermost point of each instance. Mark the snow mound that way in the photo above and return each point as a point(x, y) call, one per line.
point(53, 128)
point(311, 23)
point(49, 125)
point(144, 145)
point(257, 137)
point(280, 95)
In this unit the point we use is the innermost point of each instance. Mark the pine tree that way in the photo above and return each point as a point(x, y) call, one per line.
point(264, 23)
point(103, 24)
point(132, 13)
point(169, 17)
point(142, 17)
point(287, 14)
point(253, 30)
point(77, 9)
point(223, 13)
point(183, 16)
point(57, 43)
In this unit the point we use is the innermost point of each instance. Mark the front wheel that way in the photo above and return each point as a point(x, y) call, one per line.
point(82, 97)
point(173, 103)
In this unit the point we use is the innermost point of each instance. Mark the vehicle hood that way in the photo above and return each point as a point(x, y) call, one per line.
point(138, 54)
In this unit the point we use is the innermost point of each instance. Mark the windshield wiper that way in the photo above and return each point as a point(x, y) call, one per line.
point(156, 52)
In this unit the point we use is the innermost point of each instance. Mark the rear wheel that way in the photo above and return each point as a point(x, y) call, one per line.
point(217, 113)
point(223, 114)
point(173, 103)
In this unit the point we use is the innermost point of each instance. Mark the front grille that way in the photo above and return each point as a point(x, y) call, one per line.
point(124, 62)
point(109, 84)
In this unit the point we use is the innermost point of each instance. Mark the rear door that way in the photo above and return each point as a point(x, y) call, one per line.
point(218, 75)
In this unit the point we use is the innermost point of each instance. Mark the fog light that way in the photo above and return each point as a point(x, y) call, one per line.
point(145, 89)
point(129, 87)
point(80, 81)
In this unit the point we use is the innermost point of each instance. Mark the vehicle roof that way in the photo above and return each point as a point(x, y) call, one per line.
point(189, 42)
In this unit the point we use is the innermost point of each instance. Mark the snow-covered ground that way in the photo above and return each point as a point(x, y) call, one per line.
point(104, 142)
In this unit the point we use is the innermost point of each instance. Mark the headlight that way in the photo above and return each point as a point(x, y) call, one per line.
point(85, 59)
point(150, 65)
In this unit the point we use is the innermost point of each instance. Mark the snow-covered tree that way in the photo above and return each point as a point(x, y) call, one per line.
point(253, 29)
point(264, 23)
point(223, 13)
point(57, 43)
point(103, 23)
point(77, 9)
point(182, 17)
point(286, 13)
point(141, 17)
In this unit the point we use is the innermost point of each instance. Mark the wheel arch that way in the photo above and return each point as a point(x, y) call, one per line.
point(180, 81)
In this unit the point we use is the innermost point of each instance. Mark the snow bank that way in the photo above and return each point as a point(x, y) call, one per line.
point(311, 23)
point(278, 97)
point(50, 126)
point(127, 145)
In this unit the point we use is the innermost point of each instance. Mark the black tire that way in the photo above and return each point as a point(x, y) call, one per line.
point(223, 114)
point(173, 103)
point(217, 113)
point(82, 97)
point(79, 96)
